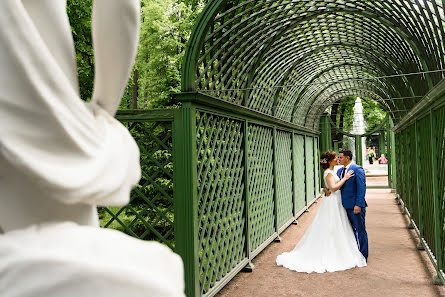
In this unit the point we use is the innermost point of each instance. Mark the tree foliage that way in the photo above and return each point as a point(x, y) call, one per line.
point(79, 13)
point(165, 28)
point(373, 113)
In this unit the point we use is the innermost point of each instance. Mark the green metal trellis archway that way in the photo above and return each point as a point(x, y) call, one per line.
point(286, 62)
point(230, 169)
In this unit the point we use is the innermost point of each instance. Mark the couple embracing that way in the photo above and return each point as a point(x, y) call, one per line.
point(337, 238)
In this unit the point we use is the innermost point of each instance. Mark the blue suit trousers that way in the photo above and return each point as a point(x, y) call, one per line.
point(358, 226)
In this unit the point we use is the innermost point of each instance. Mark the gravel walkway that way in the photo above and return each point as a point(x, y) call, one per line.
point(395, 266)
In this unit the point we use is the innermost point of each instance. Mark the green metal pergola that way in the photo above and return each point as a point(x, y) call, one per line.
point(239, 159)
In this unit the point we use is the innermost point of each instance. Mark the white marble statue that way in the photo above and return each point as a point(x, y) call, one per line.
point(60, 157)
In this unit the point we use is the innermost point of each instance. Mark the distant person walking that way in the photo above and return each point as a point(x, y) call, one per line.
point(371, 155)
point(382, 159)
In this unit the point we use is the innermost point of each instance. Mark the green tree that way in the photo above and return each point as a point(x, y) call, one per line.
point(165, 29)
point(373, 113)
point(79, 14)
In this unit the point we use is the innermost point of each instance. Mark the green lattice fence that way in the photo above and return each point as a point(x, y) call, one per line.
point(316, 167)
point(310, 174)
point(398, 152)
point(413, 186)
point(284, 177)
point(220, 197)
point(425, 214)
point(439, 121)
point(241, 183)
point(421, 186)
point(243, 195)
point(299, 173)
point(150, 213)
point(420, 153)
point(404, 164)
point(261, 185)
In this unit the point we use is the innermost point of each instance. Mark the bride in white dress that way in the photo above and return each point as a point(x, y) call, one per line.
point(329, 243)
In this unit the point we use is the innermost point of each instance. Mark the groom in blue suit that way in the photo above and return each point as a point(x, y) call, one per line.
point(353, 199)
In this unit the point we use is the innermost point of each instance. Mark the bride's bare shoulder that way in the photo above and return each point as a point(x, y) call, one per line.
point(328, 171)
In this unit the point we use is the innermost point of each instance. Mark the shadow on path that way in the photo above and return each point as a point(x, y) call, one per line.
point(395, 267)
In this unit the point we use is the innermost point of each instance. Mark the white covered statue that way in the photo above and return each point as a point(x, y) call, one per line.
point(60, 157)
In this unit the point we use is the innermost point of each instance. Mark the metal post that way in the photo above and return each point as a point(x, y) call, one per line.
point(418, 179)
point(316, 166)
point(389, 154)
point(249, 267)
point(391, 151)
point(325, 137)
point(186, 196)
point(336, 146)
point(409, 154)
point(437, 206)
point(307, 167)
point(382, 149)
point(275, 183)
point(294, 177)
point(392, 139)
point(305, 170)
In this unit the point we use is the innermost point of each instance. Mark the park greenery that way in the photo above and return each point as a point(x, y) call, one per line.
point(165, 28)
point(342, 115)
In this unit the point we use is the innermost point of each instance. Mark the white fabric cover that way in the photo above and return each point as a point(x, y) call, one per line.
point(60, 157)
point(108, 263)
point(329, 243)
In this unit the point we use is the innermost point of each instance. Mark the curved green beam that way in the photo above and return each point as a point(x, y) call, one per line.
point(322, 91)
point(196, 41)
point(303, 114)
point(383, 88)
point(302, 91)
point(321, 48)
point(250, 75)
point(377, 50)
point(394, 67)
point(401, 32)
point(328, 85)
point(297, 102)
point(212, 10)
point(339, 94)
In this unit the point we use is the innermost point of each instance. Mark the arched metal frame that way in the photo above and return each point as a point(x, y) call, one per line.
point(257, 78)
point(287, 58)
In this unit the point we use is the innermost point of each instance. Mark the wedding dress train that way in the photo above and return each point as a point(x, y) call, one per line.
point(329, 243)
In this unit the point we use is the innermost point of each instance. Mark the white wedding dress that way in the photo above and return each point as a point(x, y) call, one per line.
point(329, 243)
point(61, 157)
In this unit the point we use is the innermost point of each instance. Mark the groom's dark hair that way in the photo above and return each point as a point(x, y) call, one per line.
point(346, 153)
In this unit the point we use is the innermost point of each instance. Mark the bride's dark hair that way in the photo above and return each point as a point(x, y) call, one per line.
point(326, 158)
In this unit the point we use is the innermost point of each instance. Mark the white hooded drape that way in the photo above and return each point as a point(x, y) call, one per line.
point(60, 157)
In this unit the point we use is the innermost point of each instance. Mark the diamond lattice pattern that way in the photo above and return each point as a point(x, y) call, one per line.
point(221, 217)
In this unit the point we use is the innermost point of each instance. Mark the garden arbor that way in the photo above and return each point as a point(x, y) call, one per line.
point(257, 77)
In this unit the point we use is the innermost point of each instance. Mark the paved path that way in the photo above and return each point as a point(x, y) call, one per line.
point(381, 181)
point(395, 267)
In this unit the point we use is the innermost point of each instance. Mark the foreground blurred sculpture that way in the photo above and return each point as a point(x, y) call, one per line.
point(60, 157)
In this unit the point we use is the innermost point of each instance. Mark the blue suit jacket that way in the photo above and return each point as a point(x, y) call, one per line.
point(354, 190)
